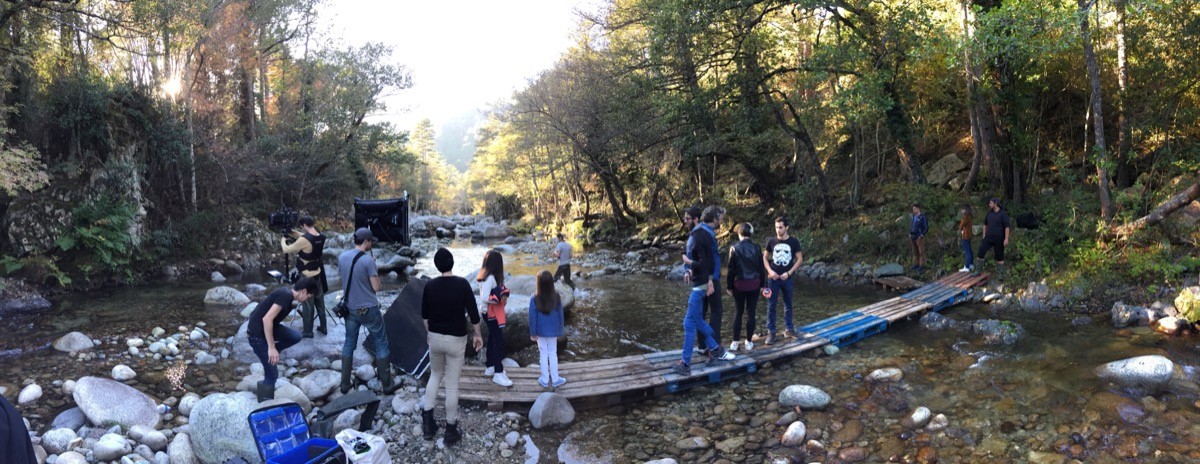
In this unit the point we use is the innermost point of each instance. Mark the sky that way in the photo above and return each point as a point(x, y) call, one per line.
point(463, 55)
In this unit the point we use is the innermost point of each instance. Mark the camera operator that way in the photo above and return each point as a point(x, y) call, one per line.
point(308, 246)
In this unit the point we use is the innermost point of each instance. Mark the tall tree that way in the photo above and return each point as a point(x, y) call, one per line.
point(1099, 154)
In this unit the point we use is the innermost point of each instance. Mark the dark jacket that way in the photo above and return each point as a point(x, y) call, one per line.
point(15, 445)
point(919, 226)
point(746, 263)
point(704, 262)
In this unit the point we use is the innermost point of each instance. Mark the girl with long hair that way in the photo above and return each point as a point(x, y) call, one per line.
point(545, 326)
point(966, 229)
point(493, 296)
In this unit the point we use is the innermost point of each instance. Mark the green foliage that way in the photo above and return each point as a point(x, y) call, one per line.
point(9, 265)
point(99, 237)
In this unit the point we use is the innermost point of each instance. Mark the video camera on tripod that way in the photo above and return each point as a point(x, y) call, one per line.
point(283, 221)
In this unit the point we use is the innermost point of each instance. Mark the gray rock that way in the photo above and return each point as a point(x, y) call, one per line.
point(203, 358)
point(232, 268)
point(887, 374)
point(404, 406)
point(73, 341)
point(255, 289)
point(121, 372)
point(110, 447)
point(1170, 325)
point(693, 443)
point(676, 273)
point(935, 321)
point(348, 419)
point(70, 419)
point(29, 394)
point(804, 396)
point(997, 332)
point(143, 451)
point(157, 441)
point(918, 418)
point(1153, 373)
point(662, 461)
point(71, 457)
point(107, 402)
point(180, 450)
point(226, 296)
point(217, 277)
point(364, 372)
point(289, 392)
point(58, 441)
point(1124, 315)
point(187, 402)
point(891, 269)
point(213, 438)
point(938, 423)
point(794, 435)
point(550, 410)
point(511, 438)
point(942, 171)
point(319, 384)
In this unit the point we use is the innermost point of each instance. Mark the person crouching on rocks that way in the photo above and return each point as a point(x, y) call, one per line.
point(493, 297)
point(545, 326)
point(268, 336)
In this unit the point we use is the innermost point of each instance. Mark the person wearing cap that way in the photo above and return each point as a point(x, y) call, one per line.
point(996, 231)
point(359, 294)
point(447, 303)
point(308, 246)
point(266, 334)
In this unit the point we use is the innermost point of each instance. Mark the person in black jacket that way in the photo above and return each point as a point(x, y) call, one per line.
point(702, 252)
point(746, 278)
point(15, 445)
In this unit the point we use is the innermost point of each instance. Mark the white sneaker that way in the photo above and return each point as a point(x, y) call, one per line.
point(965, 269)
point(733, 346)
point(501, 379)
point(727, 356)
point(749, 345)
point(490, 371)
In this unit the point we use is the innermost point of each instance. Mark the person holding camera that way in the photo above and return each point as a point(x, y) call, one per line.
point(308, 245)
point(267, 335)
point(359, 287)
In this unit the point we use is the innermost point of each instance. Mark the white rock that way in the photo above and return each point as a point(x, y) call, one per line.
point(133, 351)
point(68, 387)
point(508, 362)
point(71, 457)
point(217, 428)
point(58, 441)
point(1151, 372)
point(919, 417)
point(938, 423)
point(158, 332)
point(180, 450)
point(888, 374)
point(203, 358)
point(134, 342)
point(156, 440)
point(320, 383)
point(804, 396)
point(249, 309)
point(404, 406)
point(794, 435)
point(550, 410)
point(226, 296)
point(198, 334)
point(74, 341)
point(511, 439)
point(365, 372)
point(110, 447)
point(217, 277)
point(121, 373)
point(257, 369)
point(187, 402)
point(106, 402)
point(29, 394)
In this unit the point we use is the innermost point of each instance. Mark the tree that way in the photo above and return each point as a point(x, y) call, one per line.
point(1107, 210)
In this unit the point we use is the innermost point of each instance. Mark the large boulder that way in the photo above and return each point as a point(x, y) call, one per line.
point(1152, 373)
point(804, 396)
point(180, 450)
point(551, 410)
point(70, 419)
point(213, 438)
point(107, 402)
point(1188, 304)
point(319, 383)
point(226, 296)
point(74, 341)
point(943, 170)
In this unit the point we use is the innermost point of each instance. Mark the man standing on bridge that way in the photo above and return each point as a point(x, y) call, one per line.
point(702, 252)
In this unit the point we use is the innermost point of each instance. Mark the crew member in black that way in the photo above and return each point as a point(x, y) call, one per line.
point(268, 336)
point(747, 277)
point(996, 231)
point(308, 246)
point(15, 445)
point(446, 304)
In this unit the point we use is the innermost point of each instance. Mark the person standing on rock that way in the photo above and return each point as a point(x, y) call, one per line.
point(747, 277)
point(308, 246)
point(446, 305)
point(545, 327)
point(782, 258)
point(916, 237)
point(563, 251)
point(996, 231)
point(493, 296)
point(966, 230)
point(268, 336)
point(359, 293)
point(702, 255)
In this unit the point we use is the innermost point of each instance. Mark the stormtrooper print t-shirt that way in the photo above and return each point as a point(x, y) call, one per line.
point(781, 254)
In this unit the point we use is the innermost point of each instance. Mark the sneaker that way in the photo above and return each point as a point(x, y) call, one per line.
point(490, 371)
point(559, 382)
point(790, 333)
point(733, 346)
point(749, 345)
point(724, 356)
point(965, 269)
point(501, 379)
point(770, 339)
point(543, 383)
point(681, 369)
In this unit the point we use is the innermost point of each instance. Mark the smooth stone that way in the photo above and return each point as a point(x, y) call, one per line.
point(693, 443)
point(121, 372)
point(157, 441)
point(107, 402)
point(71, 457)
point(213, 438)
point(511, 439)
point(225, 296)
point(70, 419)
point(58, 441)
point(804, 396)
point(29, 394)
point(1153, 372)
point(854, 454)
point(187, 402)
point(320, 383)
point(73, 342)
point(550, 410)
point(111, 446)
point(794, 435)
point(888, 374)
point(180, 450)
point(918, 418)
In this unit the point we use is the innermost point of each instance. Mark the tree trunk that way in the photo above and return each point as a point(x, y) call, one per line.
point(1125, 167)
point(902, 130)
point(1089, 55)
point(805, 144)
point(1161, 212)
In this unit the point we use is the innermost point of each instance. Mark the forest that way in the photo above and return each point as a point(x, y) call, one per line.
point(137, 130)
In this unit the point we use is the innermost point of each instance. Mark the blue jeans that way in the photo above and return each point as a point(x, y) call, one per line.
point(693, 323)
point(967, 253)
point(285, 337)
point(372, 319)
point(780, 288)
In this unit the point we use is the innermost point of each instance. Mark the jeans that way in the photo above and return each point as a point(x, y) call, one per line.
point(968, 253)
point(495, 346)
point(285, 337)
point(446, 354)
point(693, 325)
point(745, 303)
point(780, 288)
point(548, 359)
point(313, 306)
point(372, 319)
point(564, 271)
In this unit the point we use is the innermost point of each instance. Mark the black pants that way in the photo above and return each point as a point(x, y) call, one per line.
point(495, 346)
point(564, 271)
point(992, 243)
point(745, 302)
point(712, 313)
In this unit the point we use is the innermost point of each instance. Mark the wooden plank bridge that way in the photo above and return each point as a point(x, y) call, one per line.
point(612, 381)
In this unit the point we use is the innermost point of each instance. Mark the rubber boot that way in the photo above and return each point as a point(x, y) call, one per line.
point(347, 368)
point(428, 426)
point(452, 435)
point(383, 370)
point(265, 391)
point(306, 315)
point(1000, 272)
point(319, 307)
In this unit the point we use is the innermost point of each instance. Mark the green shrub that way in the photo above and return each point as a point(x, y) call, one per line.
point(99, 237)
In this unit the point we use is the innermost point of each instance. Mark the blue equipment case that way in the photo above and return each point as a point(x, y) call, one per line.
point(282, 437)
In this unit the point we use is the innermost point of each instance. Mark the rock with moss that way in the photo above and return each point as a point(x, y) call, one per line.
point(1188, 304)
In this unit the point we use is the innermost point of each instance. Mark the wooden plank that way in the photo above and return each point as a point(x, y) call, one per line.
point(898, 282)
